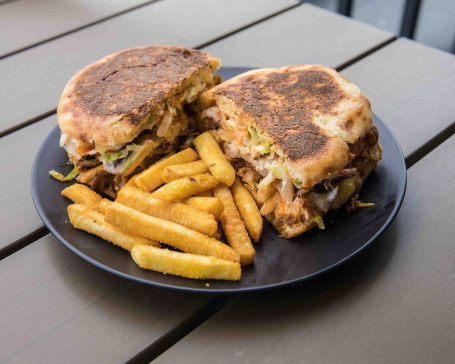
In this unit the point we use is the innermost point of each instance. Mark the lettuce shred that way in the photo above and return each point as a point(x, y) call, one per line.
point(60, 177)
point(113, 156)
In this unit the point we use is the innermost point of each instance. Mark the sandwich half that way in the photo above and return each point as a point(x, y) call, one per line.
point(123, 112)
point(301, 138)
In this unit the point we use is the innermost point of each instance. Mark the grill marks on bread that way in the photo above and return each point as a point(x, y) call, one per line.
point(284, 103)
point(110, 101)
point(134, 78)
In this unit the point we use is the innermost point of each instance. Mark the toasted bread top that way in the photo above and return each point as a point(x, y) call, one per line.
point(109, 101)
point(309, 112)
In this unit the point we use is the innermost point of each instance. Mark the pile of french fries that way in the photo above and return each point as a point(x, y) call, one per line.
point(178, 201)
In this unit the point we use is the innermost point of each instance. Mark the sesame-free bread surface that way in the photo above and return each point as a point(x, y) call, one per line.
point(110, 101)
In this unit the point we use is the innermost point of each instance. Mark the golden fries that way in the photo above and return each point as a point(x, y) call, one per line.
point(84, 218)
point(248, 209)
point(103, 204)
point(184, 264)
point(151, 177)
point(183, 213)
point(212, 205)
point(186, 187)
point(81, 194)
point(211, 154)
point(131, 182)
point(177, 171)
point(168, 210)
point(233, 226)
point(167, 232)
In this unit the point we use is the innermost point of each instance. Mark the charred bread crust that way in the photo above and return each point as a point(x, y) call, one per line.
point(109, 101)
point(309, 112)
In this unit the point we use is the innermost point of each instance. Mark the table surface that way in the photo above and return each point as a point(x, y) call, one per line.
point(393, 303)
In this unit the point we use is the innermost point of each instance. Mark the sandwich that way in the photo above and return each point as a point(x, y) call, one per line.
point(300, 137)
point(120, 114)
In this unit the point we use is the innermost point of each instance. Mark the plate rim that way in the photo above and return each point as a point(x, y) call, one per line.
point(223, 291)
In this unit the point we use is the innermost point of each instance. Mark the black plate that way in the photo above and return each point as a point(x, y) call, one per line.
point(279, 262)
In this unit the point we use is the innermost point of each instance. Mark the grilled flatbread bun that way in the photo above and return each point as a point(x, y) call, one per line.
point(309, 112)
point(109, 102)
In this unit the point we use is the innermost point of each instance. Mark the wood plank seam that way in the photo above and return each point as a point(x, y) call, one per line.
point(430, 145)
point(53, 111)
point(366, 54)
point(28, 122)
point(177, 333)
point(334, 273)
point(3, 2)
point(23, 242)
point(77, 29)
point(247, 26)
point(340, 68)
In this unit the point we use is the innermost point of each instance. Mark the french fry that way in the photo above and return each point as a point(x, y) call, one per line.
point(185, 264)
point(84, 218)
point(177, 171)
point(81, 194)
point(204, 194)
point(131, 182)
point(212, 205)
point(219, 233)
point(103, 204)
point(168, 232)
point(211, 154)
point(248, 209)
point(186, 187)
point(233, 226)
point(151, 177)
point(173, 211)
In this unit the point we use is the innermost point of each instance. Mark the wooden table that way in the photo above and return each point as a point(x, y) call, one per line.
point(394, 303)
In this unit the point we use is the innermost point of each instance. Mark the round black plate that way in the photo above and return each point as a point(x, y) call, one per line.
point(279, 262)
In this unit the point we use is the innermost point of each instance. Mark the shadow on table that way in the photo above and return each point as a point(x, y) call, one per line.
point(354, 278)
point(109, 295)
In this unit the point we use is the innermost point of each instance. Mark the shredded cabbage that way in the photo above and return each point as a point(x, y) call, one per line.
point(253, 135)
point(257, 143)
point(60, 177)
point(113, 156)
point(279, 170)
point(131, 152)
point(262, 149)
point(131, 157)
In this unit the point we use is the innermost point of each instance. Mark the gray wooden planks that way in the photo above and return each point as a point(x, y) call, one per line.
point(396, 304)
point(411, 89)
point(27, 22)
point(306, 34)
point(58, 308)
point(17, 213)
point(32, 80)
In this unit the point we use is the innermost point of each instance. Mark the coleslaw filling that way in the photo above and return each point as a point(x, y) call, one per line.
point(267, 174)
point(163, 126)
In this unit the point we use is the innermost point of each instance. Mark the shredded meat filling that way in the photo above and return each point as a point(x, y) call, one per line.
point(300, 207)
